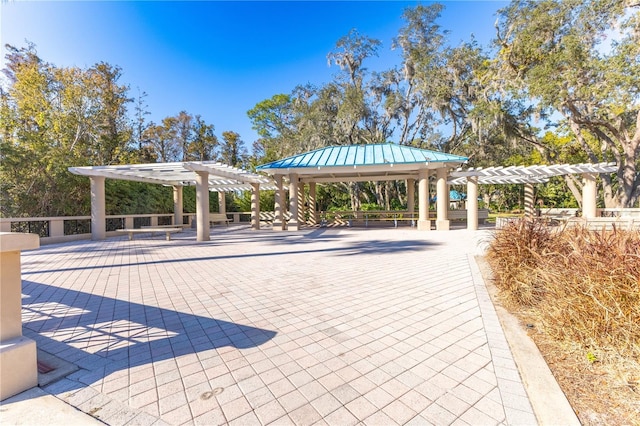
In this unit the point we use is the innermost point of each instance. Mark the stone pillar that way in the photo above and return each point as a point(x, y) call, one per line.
point(18, 359)
point(278, 220)
point(222, 202)
point(529, 205)
point(442, 202)
point(178, 205)
point(202, 207)
point(313, 213)
point(589, 195)
point(293, 202)
point(424, 224)
point(472, 203)
point(255, 206)
point(98, 215)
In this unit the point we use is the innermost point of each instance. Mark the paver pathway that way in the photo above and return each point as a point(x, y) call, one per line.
point(325, 326)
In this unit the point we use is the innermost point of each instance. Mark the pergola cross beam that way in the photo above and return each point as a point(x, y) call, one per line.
point(527, 174)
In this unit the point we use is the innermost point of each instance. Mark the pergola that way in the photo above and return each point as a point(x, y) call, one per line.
point(530, 175)
point(204, 175)
point(350, 163)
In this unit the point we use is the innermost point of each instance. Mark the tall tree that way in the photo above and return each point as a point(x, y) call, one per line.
point(232, 150)
point(204, 142)
point(114, 131)
point(580, 60)
point(163, 140)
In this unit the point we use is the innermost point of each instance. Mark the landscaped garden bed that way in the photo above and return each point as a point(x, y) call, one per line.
point(578, 291)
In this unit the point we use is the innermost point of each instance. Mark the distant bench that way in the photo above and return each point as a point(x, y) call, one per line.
point(219, 217)
point(150, 230)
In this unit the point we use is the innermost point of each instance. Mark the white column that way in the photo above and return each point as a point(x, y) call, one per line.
point(202, 206)
point(313, 213)
point(293, 202)
point(178, 205)
point(424, 224)
point(529, 211)
point(18, 360)
point(589, 195)
point(98, 215)
point(222, 202)
point(472, 203)
point(255, 206)
point(442, 202)
point(278, 220)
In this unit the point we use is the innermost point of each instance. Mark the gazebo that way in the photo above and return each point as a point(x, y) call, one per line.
point(357, 163)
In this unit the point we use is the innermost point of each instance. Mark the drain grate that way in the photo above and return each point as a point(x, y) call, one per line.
point(44, 368)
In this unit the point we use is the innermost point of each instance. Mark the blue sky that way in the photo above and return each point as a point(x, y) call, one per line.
point(219, 59)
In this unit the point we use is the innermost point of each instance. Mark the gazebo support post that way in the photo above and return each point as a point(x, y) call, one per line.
point(202, 206)
point(293, 202)
point(177, 205)
point(313, 213)
point(589, 195)
point(424, 224)
point(278, 220)
point(98, 216)
point(442, 201)
point(472, 203)
point(222, 202)
point(529, 205)
point(255, 206)
point(411, 196)
point(301, 204)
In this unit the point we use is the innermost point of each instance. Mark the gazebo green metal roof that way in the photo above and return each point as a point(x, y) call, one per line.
point(361, 155)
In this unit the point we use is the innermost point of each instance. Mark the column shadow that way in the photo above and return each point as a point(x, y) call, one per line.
point(104, 335)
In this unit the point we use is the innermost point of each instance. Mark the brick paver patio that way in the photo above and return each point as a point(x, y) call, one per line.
point(324, 326)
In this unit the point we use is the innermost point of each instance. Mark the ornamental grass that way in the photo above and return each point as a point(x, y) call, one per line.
point(583, 286)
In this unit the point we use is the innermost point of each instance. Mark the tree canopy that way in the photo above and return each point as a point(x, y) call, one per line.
point(559, 83)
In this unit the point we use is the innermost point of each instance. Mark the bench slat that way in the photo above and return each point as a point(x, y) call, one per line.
point(150, 230)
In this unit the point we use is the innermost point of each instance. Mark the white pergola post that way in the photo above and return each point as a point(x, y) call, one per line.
point(293, 202)
point(255, 206)
point(313, 214)
point(178, 205)
point(589, 195)
point(222, 202)
point(98, 215)
point(202, 206)
point(529, 206)
point(442, 201)
point(472, 203)
point(424, 224)
point(278, 220)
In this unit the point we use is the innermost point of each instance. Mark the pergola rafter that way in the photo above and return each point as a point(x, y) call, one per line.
point(526, 174)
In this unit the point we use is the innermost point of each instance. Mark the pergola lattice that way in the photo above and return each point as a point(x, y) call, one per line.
point(221, 177)
point(526, 174)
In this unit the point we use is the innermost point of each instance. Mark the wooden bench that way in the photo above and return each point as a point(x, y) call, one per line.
point(390, 217)
point(150, 230)
point(219, 217)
